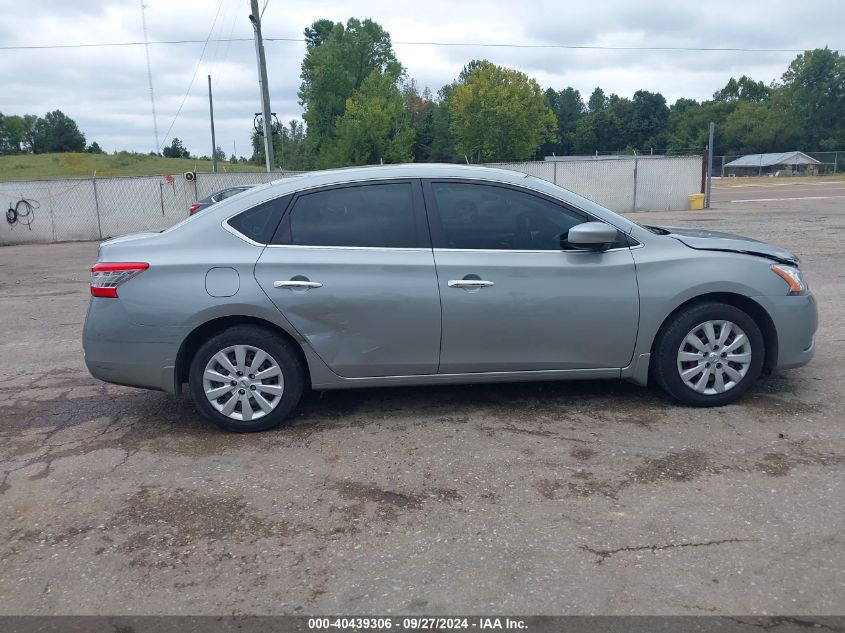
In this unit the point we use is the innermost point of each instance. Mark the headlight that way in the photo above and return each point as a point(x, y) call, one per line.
point(792, 276)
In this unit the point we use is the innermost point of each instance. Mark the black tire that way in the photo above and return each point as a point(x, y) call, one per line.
point(666, 361)
point(292, 371)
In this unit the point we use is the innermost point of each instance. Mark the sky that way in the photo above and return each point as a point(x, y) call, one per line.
point(105, 89)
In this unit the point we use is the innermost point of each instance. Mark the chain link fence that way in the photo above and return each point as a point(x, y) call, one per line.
point(99, 208)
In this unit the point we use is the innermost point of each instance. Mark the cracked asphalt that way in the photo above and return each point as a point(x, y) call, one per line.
point(544, 498)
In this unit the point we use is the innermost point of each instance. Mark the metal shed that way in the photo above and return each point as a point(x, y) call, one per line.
point(783, 164)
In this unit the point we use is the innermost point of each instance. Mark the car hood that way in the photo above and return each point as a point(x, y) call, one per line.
point(701, 239)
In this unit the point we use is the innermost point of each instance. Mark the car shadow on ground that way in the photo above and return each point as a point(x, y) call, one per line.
point(105, 410)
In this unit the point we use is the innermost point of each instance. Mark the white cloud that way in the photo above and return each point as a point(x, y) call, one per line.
point(105, 89)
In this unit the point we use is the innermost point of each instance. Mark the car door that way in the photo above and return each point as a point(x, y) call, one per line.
point(351, 268)
point(515, 296)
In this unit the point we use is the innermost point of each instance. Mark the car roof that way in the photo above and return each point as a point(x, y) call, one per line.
point(409, 170)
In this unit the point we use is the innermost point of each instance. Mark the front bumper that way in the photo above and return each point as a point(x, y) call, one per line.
point(122, 352)
point(796, 320)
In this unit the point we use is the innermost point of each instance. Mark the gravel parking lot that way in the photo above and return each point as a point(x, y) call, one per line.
point(552, 498)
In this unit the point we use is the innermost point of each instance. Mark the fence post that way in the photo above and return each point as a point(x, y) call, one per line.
point(636, 166)
point(709, 166)
point(97, 206)
point(555, 172)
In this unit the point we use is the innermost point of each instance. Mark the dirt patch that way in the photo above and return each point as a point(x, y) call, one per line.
point(445, 494)
point(775, 464)
point(179, 517)
point(769, 406)
point(583, 453)
point(584, 485)
point(683, 466)
point(548, 487)
point(357, 491)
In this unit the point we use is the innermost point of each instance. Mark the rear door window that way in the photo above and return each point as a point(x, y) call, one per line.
point(378, 215)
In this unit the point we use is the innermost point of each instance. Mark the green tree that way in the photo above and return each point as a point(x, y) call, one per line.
point(598, 131)
point(568, 108)
point(498, 114)
point(337, 60)
point(442, 147)
point(94, 148)
point(418, 108)
point(743, 89)
point(290, 149)
point(814, 95)
point(318, 32)
point(374, 126)
point(648, 120)
point(684, 125)
point(57, 132)
point(17, 133)
point(219, 154)
point(597, 101)
point(176, 150)
point(5, 146)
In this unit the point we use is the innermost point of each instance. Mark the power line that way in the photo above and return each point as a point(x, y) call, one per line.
point(228, 44)
point(725, 49)
point(194, 76)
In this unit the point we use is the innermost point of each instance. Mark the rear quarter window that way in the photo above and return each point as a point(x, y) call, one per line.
point(260, 222)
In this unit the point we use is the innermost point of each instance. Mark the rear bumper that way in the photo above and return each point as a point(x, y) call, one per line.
point(122, 352)
point(796, 320)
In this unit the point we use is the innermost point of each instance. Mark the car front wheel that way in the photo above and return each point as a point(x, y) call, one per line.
point(709, 355)
point(246, 379)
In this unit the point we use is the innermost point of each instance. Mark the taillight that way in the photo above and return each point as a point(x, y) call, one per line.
point(193, 208)
point(106, 277)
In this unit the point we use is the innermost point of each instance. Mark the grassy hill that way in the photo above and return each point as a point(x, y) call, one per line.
point(82, 165)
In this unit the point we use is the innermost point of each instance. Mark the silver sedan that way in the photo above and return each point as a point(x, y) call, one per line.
point(432, 274)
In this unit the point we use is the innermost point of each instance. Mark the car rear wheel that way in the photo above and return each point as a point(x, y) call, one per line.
point(246, 379)
point(709, 355)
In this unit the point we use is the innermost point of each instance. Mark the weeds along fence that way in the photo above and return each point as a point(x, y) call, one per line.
point(99, 208)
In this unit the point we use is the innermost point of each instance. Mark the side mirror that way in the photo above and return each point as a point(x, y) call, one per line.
point(593, 236)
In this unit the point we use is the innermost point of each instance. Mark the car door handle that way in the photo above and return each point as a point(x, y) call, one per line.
point(297, 284)
point(469, 283)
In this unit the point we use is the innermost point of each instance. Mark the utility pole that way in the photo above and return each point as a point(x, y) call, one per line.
point(213, 141)
point(255, 18)
point(709, 166)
